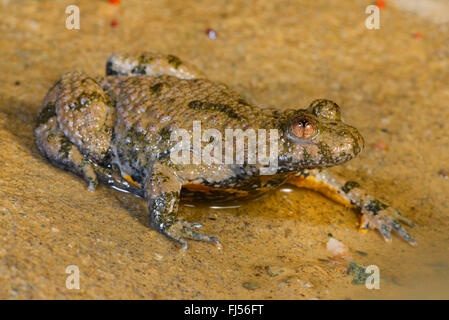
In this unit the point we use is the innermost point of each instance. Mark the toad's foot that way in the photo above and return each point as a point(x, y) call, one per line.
point(162, 193)
point(183, 229)
point(375, 214)
point(150, 64)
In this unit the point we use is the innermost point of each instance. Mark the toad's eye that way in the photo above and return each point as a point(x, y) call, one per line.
point(303, 127)
point(325, 109)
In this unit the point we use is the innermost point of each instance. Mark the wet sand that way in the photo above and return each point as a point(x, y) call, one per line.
point(392, 84)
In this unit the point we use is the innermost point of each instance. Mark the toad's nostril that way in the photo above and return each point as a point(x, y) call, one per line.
point(352, 140)
point(358, 142)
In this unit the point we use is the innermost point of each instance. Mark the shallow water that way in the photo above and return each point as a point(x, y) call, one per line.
point(391, 84)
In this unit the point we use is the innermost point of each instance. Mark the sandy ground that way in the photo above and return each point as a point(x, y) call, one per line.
point(392, 84)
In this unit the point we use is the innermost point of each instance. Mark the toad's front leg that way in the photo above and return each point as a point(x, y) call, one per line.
point(375, 214)
point(162, 193)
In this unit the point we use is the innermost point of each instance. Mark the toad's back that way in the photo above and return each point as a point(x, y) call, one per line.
point(150, 104)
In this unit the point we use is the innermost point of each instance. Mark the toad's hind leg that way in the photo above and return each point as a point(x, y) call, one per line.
point(74, 125)
point(375, 214)
point(54, 145)
point(150, 64)
point(86, 115)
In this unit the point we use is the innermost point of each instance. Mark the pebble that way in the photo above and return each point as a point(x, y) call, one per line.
point(305, 284)
point(251, 285)
point(158, 257)
point(418, 35)
point(274, 271)
point(443, 173)
point(337, 248)
point(211, 33)
point(381, 4)
point(380, 146)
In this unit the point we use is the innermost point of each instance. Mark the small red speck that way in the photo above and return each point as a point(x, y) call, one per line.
point(114, 2)
point(380, 146)
point(418, 35)
point(211, 33)
point(114, 23)
point(381, 4)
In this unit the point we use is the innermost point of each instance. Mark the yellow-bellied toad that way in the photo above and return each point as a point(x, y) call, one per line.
point(117, 130)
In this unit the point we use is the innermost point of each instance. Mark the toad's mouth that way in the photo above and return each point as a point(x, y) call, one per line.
point(329, 148)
